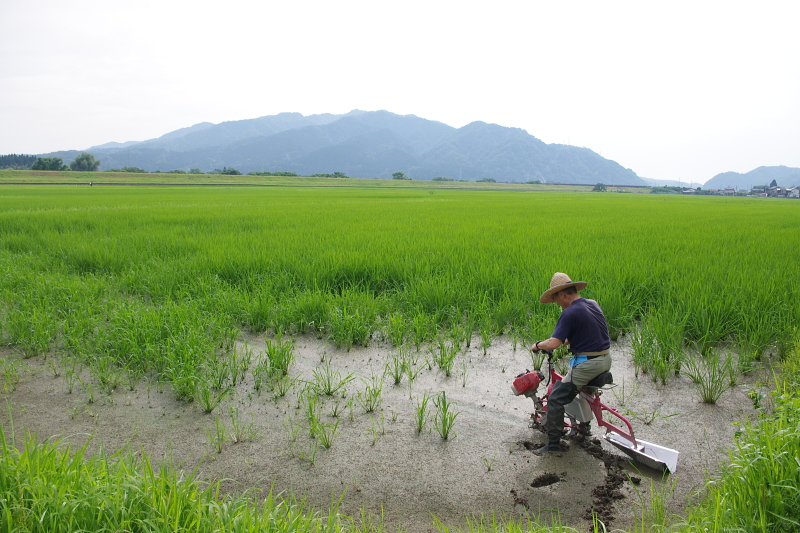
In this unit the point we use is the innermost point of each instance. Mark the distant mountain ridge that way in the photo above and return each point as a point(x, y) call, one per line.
point(365, 144)
point(783, 176)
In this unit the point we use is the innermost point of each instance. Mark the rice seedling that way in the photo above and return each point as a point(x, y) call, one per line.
point(397, 366)
point(396, 329)
point(280, 354)
point(487, 334)
point(326, 433)
point(329, 382)
point(370, 399)
point(421, 414)
point(54, 367)
point(218, 371)
point(422, 329)
point(376, 429)
point(11, 374)
point(218, 435)
point(261, 374)
point(487, 463)
point(711, 376)
point(241, 431)
point(444, 355)
point(444, 418)
point(238, 364)
point(351, 325)
point(207, 397)
point(281, 385)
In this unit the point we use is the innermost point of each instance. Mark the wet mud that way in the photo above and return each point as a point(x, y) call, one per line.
point(378, 463)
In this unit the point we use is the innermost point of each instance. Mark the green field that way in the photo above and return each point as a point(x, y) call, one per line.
point(159, 280)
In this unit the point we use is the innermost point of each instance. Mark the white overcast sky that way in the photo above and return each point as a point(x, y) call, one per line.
point(673, 90)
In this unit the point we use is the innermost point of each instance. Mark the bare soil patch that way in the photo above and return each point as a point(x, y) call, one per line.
point(378, 462)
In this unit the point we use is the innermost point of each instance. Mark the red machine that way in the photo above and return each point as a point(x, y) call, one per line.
point(587, 406)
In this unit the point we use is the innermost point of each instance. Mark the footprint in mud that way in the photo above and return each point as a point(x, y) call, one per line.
point(543, 480)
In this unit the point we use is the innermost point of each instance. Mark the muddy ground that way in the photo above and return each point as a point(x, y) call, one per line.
point(378, 462)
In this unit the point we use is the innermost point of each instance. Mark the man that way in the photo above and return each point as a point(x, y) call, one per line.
point(583, 327)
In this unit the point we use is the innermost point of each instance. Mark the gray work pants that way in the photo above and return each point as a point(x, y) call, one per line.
point(564, 392)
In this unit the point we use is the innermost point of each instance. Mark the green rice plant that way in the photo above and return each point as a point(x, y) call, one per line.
point(396, 329)
point(71, 372)
point(376, 429)
point(421, 414)
point(107, 375)
point(262, 373)
point(281, 385)
point(398, 365)
point(54, 487)
point(711, 376)
point(239, 363)
point(336, 409)
point(444, 354)
point(487, 335)
point(326, 433)
point(312, 406)
point(218, 371)
point(218, 435)
point(10, 373)
point(133, 375)
point(31, 327)
point(207, 397)
point(444, 418)
point(643, 344)
point(54, 367)
point(280, 354)
point(370, 399)
point(329, 382)
point(459, 334)
point(422, 329)
point(241, 431)
point(350, 325)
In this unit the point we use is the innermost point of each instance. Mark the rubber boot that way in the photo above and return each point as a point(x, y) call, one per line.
point(561, 395)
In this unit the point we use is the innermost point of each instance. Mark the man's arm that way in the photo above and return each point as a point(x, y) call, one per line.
point(550, 344)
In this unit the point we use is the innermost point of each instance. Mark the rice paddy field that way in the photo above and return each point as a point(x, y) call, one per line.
point(115, 287)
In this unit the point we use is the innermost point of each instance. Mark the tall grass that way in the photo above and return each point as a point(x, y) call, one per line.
point(49, 487)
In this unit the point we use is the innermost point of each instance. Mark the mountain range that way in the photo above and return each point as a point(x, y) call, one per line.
point(783, 176)
point(364, 144)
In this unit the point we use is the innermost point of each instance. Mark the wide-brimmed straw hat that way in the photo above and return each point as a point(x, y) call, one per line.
point(560, 282)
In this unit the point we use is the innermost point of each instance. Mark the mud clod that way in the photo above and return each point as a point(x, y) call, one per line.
point(604, 496)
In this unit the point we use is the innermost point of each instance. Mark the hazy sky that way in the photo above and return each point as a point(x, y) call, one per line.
point(672, 90)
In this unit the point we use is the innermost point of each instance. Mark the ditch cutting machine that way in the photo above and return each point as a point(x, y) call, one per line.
point(584, 408)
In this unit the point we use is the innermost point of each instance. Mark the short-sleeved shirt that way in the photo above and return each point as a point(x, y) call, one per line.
point(584, 324)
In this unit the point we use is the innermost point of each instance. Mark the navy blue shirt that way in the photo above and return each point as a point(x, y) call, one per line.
point(584, 324)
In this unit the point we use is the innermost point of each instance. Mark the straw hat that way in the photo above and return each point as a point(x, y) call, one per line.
point(560, 282)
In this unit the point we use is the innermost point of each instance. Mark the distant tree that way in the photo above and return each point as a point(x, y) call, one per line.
point(17, 161)
point(229, 172)
point(176, 171)
point(194, 171)
point(534, 182)
point(487, 180)
point(85, 163)
point(773, 184)
point(599, 188)
point(135, 170)
point(399, 176)
point(49, 163)
point(442, 178)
